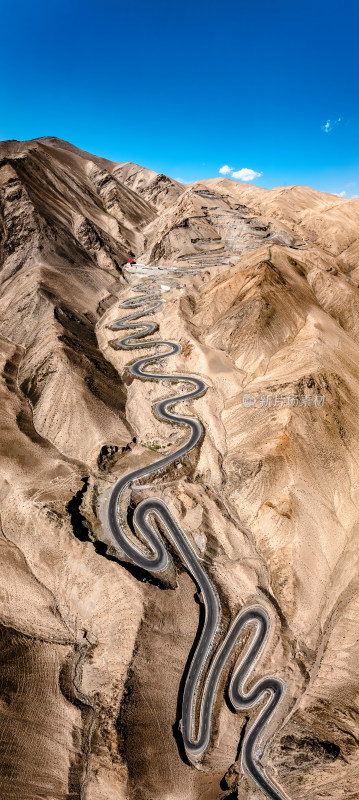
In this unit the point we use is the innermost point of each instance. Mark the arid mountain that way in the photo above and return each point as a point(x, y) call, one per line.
point(94, 653)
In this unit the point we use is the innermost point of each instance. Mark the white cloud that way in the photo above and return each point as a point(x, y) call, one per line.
point(246, 174)
point(355, 197)
point(330, 124)
point(225, 170)
point(340, 194)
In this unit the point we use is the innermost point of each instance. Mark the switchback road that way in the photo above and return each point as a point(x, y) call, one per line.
point(151, 555)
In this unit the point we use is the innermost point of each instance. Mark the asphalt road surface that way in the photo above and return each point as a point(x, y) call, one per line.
point(153, 555)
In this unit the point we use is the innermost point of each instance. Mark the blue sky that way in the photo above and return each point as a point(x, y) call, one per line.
point(188, 87)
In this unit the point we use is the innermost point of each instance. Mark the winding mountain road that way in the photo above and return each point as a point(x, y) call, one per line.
point(154, 557)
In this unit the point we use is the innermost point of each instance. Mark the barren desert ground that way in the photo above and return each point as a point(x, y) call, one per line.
point(249, 486)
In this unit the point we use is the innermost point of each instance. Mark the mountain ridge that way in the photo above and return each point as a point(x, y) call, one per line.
point(268, 311)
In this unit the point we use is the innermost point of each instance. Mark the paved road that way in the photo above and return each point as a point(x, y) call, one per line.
point(155, 558)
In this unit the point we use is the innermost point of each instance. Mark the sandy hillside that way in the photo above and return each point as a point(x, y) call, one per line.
point(93, 654)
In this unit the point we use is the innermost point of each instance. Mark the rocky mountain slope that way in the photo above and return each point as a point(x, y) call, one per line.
point(93, 654)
